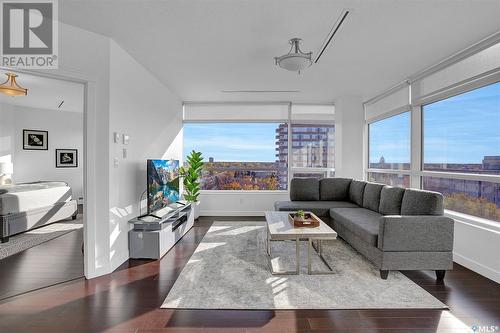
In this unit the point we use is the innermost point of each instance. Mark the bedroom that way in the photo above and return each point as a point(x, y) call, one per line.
point(41, 183)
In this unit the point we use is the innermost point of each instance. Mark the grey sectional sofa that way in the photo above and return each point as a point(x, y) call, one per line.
point(395, 228)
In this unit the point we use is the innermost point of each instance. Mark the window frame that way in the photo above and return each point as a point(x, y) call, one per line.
point(290, 171)
point(417, 171)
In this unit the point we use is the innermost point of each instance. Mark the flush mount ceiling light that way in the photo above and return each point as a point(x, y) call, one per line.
point(11, 88)
point(295, 60)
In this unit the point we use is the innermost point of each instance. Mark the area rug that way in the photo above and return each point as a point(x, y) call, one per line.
point(38, 236)
point(229, 270)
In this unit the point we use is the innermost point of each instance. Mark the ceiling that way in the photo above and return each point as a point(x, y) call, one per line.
point(46, 94)
point(201, 47)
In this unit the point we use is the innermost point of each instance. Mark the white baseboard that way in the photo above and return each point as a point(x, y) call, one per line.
point(477, 267)
point(230, 213)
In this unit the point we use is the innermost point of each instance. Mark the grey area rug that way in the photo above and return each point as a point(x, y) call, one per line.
point(229, 270)
point(38, 236)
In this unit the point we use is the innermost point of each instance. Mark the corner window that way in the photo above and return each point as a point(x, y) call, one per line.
point(461, 135)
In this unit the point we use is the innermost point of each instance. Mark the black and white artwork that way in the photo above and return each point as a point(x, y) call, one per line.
point(66, 158)
point(35, 140)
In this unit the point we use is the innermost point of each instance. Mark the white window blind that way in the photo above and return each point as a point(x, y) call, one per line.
point(306, 113)
point(239, 112)
point(396, 102)
point(466, 70)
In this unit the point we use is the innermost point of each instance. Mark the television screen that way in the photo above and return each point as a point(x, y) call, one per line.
point(163, 183)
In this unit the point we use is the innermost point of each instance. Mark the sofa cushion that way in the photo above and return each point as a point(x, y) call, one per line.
point(371, 196)
point(418, 202)
point(362, 222)
point(334, 189)
point(304, 189)
point(356, 190)
point(390, 200)
point(320, 208)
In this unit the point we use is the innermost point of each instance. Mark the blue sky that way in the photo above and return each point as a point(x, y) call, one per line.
point(232, 142)
point(463, 128)
point(460, 129)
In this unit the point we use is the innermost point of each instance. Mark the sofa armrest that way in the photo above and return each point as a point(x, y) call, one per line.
point(415, 233)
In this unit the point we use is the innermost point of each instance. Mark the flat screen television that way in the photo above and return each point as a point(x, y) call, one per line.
point(163, 184)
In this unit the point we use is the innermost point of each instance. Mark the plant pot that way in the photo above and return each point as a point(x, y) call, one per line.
point(196, 209)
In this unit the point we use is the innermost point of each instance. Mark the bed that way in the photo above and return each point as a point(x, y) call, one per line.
point(31, 205)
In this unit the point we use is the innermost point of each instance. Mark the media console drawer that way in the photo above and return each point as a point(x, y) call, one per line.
point(154, 244)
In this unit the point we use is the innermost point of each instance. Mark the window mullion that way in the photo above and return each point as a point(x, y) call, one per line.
point(416, 147)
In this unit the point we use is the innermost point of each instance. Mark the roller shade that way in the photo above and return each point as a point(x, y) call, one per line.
point(304, 113)
point(469, 69)
point(396, 102)
point(205, 112)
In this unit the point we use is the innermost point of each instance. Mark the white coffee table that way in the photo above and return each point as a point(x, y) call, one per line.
point(279, 228)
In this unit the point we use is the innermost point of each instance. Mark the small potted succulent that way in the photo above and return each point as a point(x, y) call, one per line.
point(300, 215)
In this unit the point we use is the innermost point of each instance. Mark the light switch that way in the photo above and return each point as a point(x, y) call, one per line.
point(124, 152)
point(116, 137)
point(126, 139)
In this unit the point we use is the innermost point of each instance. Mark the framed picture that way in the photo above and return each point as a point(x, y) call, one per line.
point(66, 158)
point(35, 140)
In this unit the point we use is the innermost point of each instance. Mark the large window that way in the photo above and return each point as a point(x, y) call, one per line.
point(239, 156)
point(389, 149)
point(461, 134)
point(389, 143)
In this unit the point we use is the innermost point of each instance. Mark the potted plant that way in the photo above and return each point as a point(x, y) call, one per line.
point(191, 174)
point(300, 215)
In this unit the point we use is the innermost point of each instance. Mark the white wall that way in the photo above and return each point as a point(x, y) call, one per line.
point(477, 247)
point(145, 109)
point(349, 137)
point(65, 130)
point(7, 144)
point(84, 56)
point(221, 203)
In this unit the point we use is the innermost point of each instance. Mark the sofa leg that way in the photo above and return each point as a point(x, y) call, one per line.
point(440, 275)
point(384, 274)
point(5, 239)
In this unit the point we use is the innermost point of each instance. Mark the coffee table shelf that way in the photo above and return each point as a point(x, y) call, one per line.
point(280, 229)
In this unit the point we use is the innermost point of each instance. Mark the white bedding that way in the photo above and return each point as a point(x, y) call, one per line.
point(25, 197)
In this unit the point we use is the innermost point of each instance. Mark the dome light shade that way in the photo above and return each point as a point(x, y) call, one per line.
point(295, 60)
point(11, 88)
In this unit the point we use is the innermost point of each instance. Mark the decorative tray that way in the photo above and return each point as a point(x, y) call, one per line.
point(308, 221)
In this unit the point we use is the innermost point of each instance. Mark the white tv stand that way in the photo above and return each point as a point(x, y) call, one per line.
point(152, 240)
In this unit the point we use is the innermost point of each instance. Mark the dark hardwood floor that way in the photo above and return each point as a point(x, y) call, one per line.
point(53, 262)
point(128, 300)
